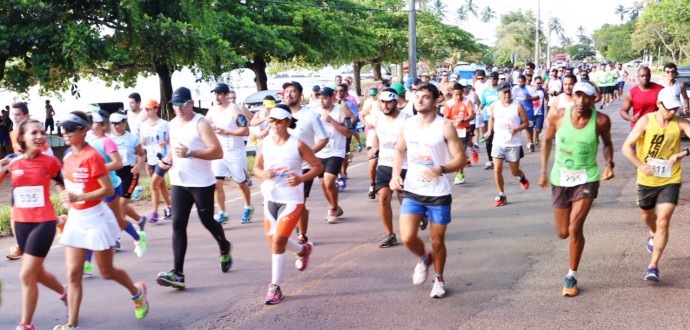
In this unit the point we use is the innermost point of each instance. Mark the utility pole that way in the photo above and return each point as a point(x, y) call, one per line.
point(536, 41)
point(412, 40)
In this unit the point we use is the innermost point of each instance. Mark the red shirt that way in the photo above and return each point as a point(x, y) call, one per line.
point(459, 110)
point(644, 102)
point(31, 188)
point(15, 144)
point(81, 173)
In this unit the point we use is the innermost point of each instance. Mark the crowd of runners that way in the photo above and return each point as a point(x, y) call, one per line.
point(419, 136)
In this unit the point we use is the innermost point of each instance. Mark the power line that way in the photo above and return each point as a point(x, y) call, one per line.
point(325, 6)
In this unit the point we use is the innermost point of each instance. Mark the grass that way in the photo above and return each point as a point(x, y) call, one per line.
point(5, 219)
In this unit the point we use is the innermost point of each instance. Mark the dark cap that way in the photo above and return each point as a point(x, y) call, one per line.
point(326, 91)
point(293, 84)
point(493, 75)
point(316, 88)
point(504, 87)
point(221, 88)
point(181, 95)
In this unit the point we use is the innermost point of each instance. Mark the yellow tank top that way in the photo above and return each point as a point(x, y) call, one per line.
point(655, 148)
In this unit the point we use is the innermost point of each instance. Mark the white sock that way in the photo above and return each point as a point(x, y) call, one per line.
point(571, 273)
point(247, 206)
point(277, 263)
point(294, 246)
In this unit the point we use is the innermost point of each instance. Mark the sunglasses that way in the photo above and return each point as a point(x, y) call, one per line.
point(671, 71)
point(179, 104)
point(71, 129)
point(279, 121)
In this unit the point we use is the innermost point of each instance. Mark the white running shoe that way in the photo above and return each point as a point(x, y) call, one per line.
point(421, 271)
point(438, 290)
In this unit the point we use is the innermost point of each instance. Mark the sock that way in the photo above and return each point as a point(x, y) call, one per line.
point(439, 277)
point(571, 273)
point(500, 193)
point(277, 263)
point(651, 266)
point(136, 296)
point(247, 206)
point(294, 246)
point(89, 256)
point(426, 258)
point(132, 232)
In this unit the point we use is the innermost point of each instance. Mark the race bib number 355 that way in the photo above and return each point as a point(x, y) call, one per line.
point(28, 197)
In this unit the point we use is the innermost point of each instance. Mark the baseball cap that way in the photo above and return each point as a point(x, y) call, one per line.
point(181, 95)
point(669, 99)
point(584, 87)
point(293, 84)
point(399, 88)
point(221, 88)
point(426, 74)
point(71, 122)
point(151, 104)
point(373, 91)
point(504, 87)
point(316, 88)
point(388, 96)
point(97, 116)
point(493, 75)
point(280, 112)
point(501, 76)
point(326, 91)
point(117, 117)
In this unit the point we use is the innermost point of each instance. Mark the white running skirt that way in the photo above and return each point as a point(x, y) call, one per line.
point(93, 229)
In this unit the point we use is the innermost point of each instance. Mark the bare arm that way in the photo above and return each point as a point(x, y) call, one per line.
point(553, 119)
point(396, 182)
point(625, 108)
point(457, 152)
point(115, 162)
point(523, 117)
point(309, 157)
point(212, 150)
point(627, 149)
point(604, 130)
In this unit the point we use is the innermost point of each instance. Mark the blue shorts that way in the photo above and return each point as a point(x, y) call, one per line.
point(620, 84)
point(118, 192)
point(539, 121)
point(530, 119)
point(439, 214)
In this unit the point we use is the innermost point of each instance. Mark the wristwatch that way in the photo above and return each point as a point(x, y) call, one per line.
point(189, 153)
point(443, 169)
point(613, 165)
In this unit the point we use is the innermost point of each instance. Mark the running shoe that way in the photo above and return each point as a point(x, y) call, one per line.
point(331, 216)
point(63, 296)
point(652, 274)
point(423, 223)
point(475, 156)
point(372, 192)
point(339, 212)
point(67, 326)
point(482, 139)
point(15, 253)
point(23, 326)
point(117, 247)
point(88, 268)
point(141, 303)
point(247, 214)
point(389, 241)
point(171, 278)
point(167, 213)
point(226, 260)
point(489, 165)
point(302, 238)
point(649, 243)
point(303, 261)
point(500, 200)
point(340, 182)
point(142, 222)
point(536, 142)
point(359, 147)
point(274, 295)
point(221, 218)
point(140, 246)
point(475, 147)
point(438, 289)
point(524, 183)
point(459, 178)
point(530, 147)
point(570, 287)
point(421, 270)
point(154, 217)
point(469, 163)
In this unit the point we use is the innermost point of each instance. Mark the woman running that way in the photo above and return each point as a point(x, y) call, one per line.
point(33, 213)
point(92, 225)
point(155, 137)
point(279, 163)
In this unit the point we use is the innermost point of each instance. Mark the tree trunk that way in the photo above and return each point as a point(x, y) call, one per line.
point(165, 85)
point(376, 66)
point(357, 68)
point(258, 66)
point(401, 73)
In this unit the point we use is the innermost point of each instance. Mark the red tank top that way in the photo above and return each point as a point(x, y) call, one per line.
point(644, 102)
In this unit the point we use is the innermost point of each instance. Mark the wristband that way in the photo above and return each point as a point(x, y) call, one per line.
point(189, 153)
point(687, 151)
point(443, 169)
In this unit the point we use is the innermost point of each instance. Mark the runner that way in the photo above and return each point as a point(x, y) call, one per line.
point(539, 108)
point(404, 105)
point(478, 85)
point(659, 174)
point(641, 98)
point(432, 149)
point(155, 137)
point(677, 86)
point(344, 101)
point(336, 123)
point(508, 118)
point(488, 97)
point(369, 115)
point(193, 183)
point(523, 94)
point(383, 144)
point(279, 163)
point(92, 226)
point(575, 174)
point(135, 116)
point(33, 214)
point(620, 81)
point(260, 120)
point(445, 86)
point(460, 114)
point(231, 125)
point(554, 86)
point(564, 99)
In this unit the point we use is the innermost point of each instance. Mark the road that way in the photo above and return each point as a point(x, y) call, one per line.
point(505, 268)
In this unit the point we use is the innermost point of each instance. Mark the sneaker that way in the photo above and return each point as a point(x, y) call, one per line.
point(302, 239)
point(63, 297)
point(274, 295)
point(459, 178)
point(331, 216)
point(171, 278)
point(226, 260)
point(221, 218)
point(438, 290)
point(570, 287)
point(475, 147)
point(339, 212)
point(423, 223)
point(482, 140)
point(117, 247)
point(142, 222)
point(372, 192)
point(15, 253)
point(524, 183)
point(303, 261)
point(247, 214)
point(23, 326)
point(500, 200)
point(141, 304)
point(475, 156)
point(489, 166)
point(421, 270)
point(469, 163)
point(340, 182)
point(536, 142)
point(359, 147)
point(652, 274)
point(650, 243)
point(250, 183)
point(167, 213)
point(530, 147)
point(88, 268)
point(154, 217)
point(389, 241)
point(140, 246)
point(67, 326)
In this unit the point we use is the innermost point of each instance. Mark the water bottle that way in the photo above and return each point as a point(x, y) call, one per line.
point(136, 194)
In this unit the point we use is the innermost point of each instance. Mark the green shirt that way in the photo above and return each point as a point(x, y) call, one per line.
point(576, 153)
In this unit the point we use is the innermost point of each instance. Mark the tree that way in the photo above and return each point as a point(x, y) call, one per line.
point(461, 14)
point(515, 35)
point(471, 8)
point(554, 27)
point(438, 7)
point(665, 23)
point(488, 14)
point(614, 42)
point(621, 11)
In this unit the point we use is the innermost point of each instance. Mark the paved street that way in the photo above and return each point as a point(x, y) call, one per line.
point(505, 267)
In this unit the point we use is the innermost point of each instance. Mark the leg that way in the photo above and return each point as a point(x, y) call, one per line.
point(385, 209)
point(438, 246)
point(330, 189)
point(182, 206)
point(104, 259)
point(155, 191)
point(409, 224)
point(220, 194)
point(163, 189)
point(664, 211)
point(489, 145)
point(650, 217)
point(515, 169)
point(498, 174)
point(246, 194)
point(203, 199)
point(579, 212)
point(74, 262)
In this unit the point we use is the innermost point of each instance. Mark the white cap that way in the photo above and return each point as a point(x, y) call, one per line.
point(585, 87)
point(388, 96)
point(117, 117)
point(669, 99)
point(96, 117)
point(279, 112)
point(464, 82)
point(494, 69)
point(501, 76)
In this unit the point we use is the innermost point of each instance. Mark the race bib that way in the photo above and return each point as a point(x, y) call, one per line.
point(151, 153)
point(123, 154)
point(419, 179)
point(572, 178)
point(28, 197)
point(75, 188)
point(461, 132)
point(330, 143)
point(503, 136)
point(662, 167)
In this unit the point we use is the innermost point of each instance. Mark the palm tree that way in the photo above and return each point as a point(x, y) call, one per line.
point(554, 26)
point(438, 7)
point(471, 7)
point(621, 11)
point(488, 14)
point(422, 4)
point(566, 41)
point(461, 14)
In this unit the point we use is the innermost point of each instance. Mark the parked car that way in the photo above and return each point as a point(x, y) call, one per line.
point(254, 103)
point(634, 64)
point(684, 76)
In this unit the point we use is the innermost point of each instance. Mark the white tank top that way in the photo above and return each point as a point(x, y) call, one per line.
point(675, 88)
point(388, 133)
point(189, 172)
point(505, 119)
point(563, 103)
point(283, 160)
point(426, 147)
point(226, 119)
point(336, 141)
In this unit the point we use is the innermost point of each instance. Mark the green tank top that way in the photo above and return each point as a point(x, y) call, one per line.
point(576, 153)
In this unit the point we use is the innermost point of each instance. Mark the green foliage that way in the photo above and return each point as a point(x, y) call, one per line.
point(57, 205)
point(614, 42)
point(5, 218)
point(666, 24)
point(515, 35)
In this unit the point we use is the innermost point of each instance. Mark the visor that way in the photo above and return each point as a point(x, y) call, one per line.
point(72, 122)
point(279, 113)
point(388, 96)
point(117, 117)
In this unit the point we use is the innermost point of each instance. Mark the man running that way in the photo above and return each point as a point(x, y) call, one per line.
point(508, 118)
point(641, 98)
point(369, 115)
point(50, 122)
point(575, 173)
point(677, 86)
point(539, 108)
point(460, 113)
point(659, 175)
point(523, 94)
point(488, 96)
point(564, 99)
point(135, 115)
point(433, 150)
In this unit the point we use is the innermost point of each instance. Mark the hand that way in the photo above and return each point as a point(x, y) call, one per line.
point(396, 183)
point(430, 173)
point(677, 157)
point(135, 169)
point(543, 182)
point(5, 161)
point(181, 151)
point(67, 197)
point(635, 118)
point(487, 135)
point(293, 180)
point(513, 131)
point(327, 119)
point(218, 130)
point(266, 174)
point(372, 153)
point(646, 170)
point(608, 172)
point(162, 143)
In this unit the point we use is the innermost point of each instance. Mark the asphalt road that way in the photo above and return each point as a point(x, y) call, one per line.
point(505, 268)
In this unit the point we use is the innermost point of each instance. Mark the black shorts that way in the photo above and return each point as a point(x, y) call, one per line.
point(384, 175)
point(155, 169)
point(307, 184)
point(129, 180)
point(649, 197)
point(563, 197)
point(35, 238)
point(331, 165)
